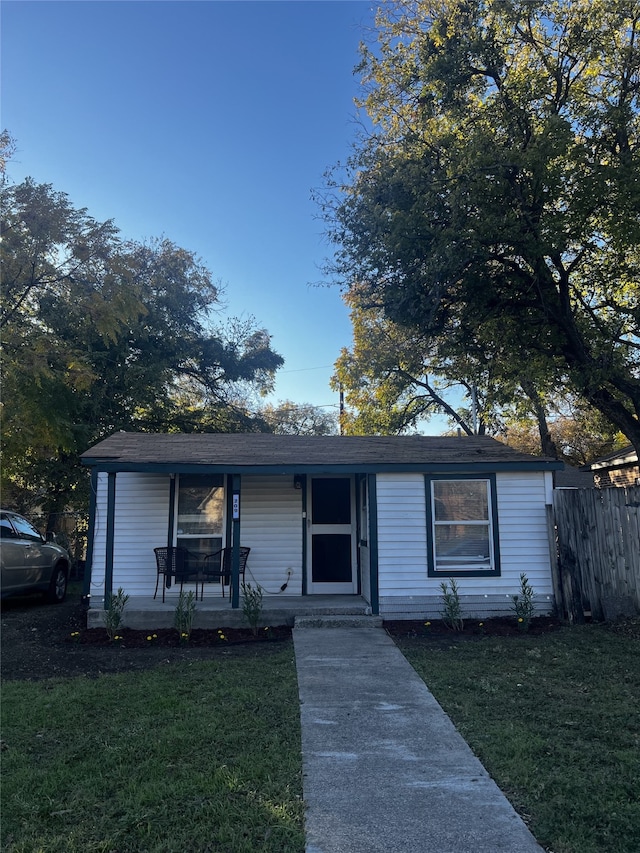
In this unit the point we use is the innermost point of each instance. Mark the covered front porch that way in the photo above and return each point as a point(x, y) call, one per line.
point(146, 613)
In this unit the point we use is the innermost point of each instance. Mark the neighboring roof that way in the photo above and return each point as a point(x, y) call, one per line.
point(623, 456)
point(266, 453)
point(573, 478)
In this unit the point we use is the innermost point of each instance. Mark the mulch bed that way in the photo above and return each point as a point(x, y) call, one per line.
point(438, 633)
point(37, 643)
point(169, 637)
point(501, 626)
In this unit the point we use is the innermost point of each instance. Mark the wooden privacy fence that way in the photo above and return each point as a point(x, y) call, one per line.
point(597, 535)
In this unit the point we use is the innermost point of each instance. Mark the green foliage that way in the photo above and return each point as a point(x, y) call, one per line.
point(7, 149)
point(113, 614)
point(252, 605)
point(184, 613)
point(523, 605)
point(493, 212)
point(101, 334)
point(452, 608)
point(393, 379)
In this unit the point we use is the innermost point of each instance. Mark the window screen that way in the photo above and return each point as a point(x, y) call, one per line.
point(200, 515)
point(462, 534)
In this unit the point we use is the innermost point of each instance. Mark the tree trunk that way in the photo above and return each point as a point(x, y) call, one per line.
point(548, 445)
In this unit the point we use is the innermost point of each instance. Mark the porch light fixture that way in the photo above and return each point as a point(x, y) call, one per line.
point(297, 481)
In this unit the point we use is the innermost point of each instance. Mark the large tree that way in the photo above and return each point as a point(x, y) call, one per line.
point(395, 379)
point(580, 433)
point(289, 418)
point(497, 199)
point(100, 334)
point(392, 384)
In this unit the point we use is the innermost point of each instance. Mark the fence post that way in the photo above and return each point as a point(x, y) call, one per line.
point(556, 580)
point(571, 585)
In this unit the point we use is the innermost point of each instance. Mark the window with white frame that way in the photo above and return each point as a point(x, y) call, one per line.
point(200, 513)
point(463, 526)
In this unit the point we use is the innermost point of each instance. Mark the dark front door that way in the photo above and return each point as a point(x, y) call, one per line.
point(331, 526)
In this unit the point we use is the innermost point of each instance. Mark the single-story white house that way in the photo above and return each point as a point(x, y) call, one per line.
point(386, 519)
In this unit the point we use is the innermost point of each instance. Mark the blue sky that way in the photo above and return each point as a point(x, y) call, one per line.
point(208, 123)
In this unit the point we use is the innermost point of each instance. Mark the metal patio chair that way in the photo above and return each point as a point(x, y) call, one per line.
point(217, 566)
point(173, 565)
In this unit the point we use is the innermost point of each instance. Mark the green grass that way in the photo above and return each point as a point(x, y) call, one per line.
point(203, 757)
point(556, 721)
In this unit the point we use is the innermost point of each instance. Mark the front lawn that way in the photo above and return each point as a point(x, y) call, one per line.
point(555, 719)
point(199, 757)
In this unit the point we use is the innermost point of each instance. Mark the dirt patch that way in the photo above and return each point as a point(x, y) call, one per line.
point(41, 640)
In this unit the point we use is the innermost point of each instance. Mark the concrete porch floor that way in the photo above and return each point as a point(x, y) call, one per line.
point(146, 613)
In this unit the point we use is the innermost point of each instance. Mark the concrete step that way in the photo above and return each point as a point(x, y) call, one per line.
point(337, 621)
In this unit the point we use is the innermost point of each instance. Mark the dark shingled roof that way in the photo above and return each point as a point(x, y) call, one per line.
point(265, 452)
point(573, 478)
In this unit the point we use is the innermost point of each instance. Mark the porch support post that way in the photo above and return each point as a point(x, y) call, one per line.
point(373, 543)
point(235, 542)
point(172, 506)
point(86, 582)
point(166, 580)
point(305, 555)
point(108, 557)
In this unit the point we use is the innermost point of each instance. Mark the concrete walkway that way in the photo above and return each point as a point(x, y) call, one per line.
point(384, 768)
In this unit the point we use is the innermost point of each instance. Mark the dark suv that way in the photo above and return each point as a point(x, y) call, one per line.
point(29, 562)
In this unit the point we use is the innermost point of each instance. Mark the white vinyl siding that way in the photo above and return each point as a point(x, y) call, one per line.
point(524, 541)
point(402, 534)
point(141, 524)
point(271, 525)
point(404, 587)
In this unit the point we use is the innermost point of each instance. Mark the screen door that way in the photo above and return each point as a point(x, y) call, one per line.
point(331, 532)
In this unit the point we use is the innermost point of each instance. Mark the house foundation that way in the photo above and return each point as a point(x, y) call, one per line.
point(146, 613)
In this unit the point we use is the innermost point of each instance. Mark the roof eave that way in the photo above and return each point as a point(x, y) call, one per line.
point(112, 465)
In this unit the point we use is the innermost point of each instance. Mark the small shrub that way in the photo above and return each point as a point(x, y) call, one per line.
point(114, 611)
point(183, 617)
point(252, 605)
point(523, 605)
point(452, 609)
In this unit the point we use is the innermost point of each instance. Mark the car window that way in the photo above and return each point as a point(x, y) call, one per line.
point(25, 530)
point(6, 530)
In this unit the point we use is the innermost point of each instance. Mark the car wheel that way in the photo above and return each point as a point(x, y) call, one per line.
point(58, 586)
